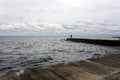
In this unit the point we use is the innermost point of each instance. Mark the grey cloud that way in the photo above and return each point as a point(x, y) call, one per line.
point(73, 16)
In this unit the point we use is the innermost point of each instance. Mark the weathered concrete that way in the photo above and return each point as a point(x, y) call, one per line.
point(96, 41)
point(103, 68)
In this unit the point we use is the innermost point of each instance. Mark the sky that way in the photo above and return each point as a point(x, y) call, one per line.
point(60, 17)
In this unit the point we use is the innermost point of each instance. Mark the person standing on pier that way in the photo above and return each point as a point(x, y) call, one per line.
point(70, 36)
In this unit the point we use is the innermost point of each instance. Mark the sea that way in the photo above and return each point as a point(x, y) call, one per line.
point(19, 52)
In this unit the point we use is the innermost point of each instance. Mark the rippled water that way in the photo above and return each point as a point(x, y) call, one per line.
point(27, 52)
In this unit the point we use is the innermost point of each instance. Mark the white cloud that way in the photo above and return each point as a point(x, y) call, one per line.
point(50, 28)
point(70, 16)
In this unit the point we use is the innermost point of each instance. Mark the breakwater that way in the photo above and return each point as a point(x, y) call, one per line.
point(106, 42)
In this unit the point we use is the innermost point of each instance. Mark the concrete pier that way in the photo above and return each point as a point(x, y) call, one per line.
point(101, 68)
point(106, 42)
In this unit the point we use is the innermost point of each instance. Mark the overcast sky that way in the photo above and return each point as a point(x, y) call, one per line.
point(60, 17)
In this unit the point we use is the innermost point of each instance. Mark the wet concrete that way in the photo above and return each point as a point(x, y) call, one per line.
point(100, 68)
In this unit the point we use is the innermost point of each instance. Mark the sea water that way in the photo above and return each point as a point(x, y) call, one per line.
point(30, 52)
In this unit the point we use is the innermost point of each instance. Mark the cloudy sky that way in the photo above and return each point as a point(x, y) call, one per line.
point(60, 17)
